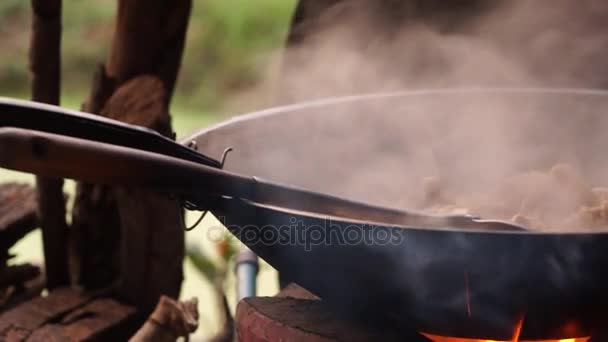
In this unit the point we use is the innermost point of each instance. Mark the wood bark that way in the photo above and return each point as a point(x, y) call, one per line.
point(152, 240)
point(140, 230)
point(45, 57)
point(149, 39)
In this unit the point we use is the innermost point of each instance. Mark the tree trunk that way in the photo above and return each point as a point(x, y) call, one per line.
point(141, 230)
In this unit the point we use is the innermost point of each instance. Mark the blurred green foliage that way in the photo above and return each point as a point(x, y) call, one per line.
point(213, 269)
point(227, 47)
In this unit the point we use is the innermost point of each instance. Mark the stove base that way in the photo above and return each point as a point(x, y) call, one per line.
point(297, 315)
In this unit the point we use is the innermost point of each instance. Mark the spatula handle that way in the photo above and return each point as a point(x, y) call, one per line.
point(60, 156)
point(56, 155)
point(62, 121)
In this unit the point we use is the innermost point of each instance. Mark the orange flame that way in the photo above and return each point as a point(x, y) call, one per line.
point(517, 331)
point(436, 338)
point(515, 338)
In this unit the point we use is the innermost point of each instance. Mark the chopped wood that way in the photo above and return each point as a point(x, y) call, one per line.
point(45, 66)
point(18, 215)
point(170, 320)
point(38, 311)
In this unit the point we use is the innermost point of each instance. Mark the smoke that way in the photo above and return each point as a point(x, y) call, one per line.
point(362, 45)
point(489, 153)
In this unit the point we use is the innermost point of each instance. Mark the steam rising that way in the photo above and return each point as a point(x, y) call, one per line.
point(482, 149)
point(364, 45)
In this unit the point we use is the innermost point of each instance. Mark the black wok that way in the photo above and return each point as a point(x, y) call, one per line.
point(446, 280)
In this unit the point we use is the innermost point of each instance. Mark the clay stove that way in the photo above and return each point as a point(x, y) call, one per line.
point(298, 315)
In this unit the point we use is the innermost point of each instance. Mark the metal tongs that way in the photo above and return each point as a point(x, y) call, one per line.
point(56, 142)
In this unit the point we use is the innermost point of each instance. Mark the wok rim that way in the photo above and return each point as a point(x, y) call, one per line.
point(407, 93)
point(332, 101)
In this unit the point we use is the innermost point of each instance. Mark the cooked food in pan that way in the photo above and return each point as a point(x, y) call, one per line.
point(555, 199)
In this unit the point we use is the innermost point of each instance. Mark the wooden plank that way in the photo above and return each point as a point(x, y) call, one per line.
point(100, 320)
point(38, 311)
point(68, 315)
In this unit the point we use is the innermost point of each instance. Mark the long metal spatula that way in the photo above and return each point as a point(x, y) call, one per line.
point(61, 156)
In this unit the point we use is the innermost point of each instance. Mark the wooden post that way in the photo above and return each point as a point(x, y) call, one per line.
point(45, 57)
point(149, 39)
point(135, 86)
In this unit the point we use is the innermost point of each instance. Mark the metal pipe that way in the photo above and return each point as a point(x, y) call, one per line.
point(246, 270)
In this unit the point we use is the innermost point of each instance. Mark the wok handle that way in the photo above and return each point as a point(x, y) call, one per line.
point(56, 155)
point(60, 156)
point(57, 120)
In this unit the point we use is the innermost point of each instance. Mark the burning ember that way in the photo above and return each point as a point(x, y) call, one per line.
point(516, 334)
point(436, 338)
